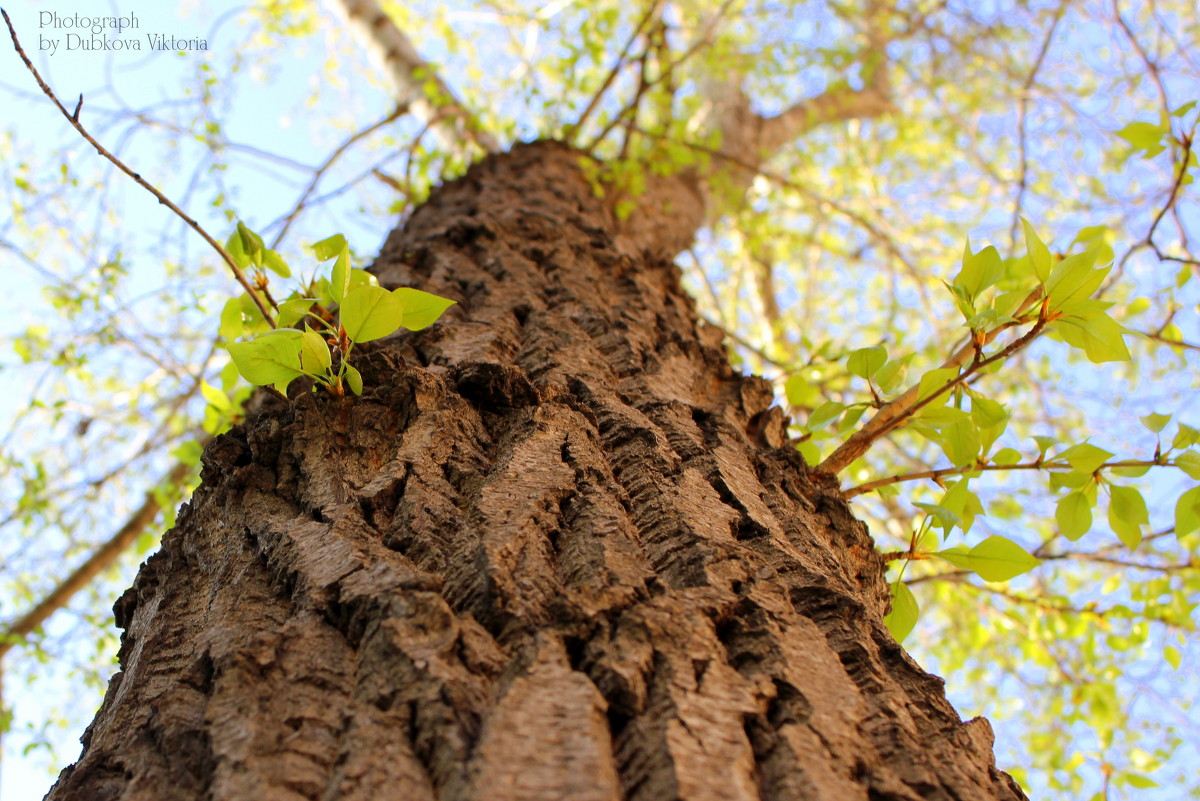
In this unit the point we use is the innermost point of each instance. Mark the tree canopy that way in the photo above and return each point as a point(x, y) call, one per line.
point(955, 237)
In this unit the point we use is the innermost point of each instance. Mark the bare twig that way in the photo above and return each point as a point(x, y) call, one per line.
point(944, 472)
point(319, 173)
point(73, 118)
point(1022, 111)
point(101, 558)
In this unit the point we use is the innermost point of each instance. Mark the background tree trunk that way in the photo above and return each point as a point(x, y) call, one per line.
point(558, 550)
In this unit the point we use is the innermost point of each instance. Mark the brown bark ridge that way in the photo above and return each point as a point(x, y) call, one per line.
point(558, 550)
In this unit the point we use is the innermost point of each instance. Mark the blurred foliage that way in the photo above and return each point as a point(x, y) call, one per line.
point(842, 277)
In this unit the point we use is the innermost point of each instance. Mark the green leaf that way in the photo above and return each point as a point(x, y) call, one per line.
point(216, 398)
point(1099, 337)
point(1155, 422)
point(231, 326)
point(251, 242)
point(339, 278)
point(1127, 514)
point(1006, 456)
point(934, 380)
point(326, 249)
point(865, 362)
point(421, 309)
point(824, 414)
point(892, 374)
point(959, 500)
point(943, 518)
point(799, 390)
point(1084, 457)
point(960, 443)
point(987, 412)
point(1074, 278)
point(979, 270)
point(362, 278)
point(1185, 437)
point(353, 379)
point(1074, 515)
point(995, 559)
point(268, 359)
point(1187, 512)
point(1044, 444)
point(1139, 781)
point(810, 452)
point(371, 312)
point(1038, 253)
point(293, 311)
point(1144, 136)
point(236, 251)
point(903, 617)
point(314, 352)
point(1189, 462)
point(1172, 656)
point(275, 263)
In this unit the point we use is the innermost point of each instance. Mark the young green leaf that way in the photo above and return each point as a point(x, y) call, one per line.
point(1185, 437)
point(339, 278)
point(995, 559)
point(326, 249)
point(268, 359)
point(865, 362)
point(354, 379)
point(251, 242)
point(314, 352)
point(889, 377)
point(905, 611)
point(275, 263)
point(1006, 456)
point(979, 270)
point(934, 380)
point(371, 312)
point(1084, 457)
point(1074, 515)
point(293, 311)
point(215, 397)
point(1187, 512)
point(421, 309)
point(1189, 462)
point(1127, 514)
point(1038, 253)
point(236, 250)
point(824, 414)
point(231, 326)
point(1155, 422)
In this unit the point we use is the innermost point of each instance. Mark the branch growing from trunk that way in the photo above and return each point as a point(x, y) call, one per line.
point(411, 76)
point(899, 411)
point(102, 558)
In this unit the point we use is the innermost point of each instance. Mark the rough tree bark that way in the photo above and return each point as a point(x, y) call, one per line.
point(558, 550)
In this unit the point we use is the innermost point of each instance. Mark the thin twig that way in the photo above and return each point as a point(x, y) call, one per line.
point(73, 118)
point(1022, 111)
point(320, 171)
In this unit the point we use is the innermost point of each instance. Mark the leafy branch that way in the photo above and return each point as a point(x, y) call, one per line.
point(1064, 304)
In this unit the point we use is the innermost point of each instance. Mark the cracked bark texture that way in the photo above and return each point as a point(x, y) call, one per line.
point(558, 550)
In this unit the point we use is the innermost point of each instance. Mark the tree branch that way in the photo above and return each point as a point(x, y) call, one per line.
point(73, 118)
point(409, 74)
point(101, 558)
point(909, 403)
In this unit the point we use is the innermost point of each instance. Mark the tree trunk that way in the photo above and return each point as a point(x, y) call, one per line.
point(558, 550)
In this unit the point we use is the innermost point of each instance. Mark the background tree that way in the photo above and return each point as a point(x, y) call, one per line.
point(872, 197)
